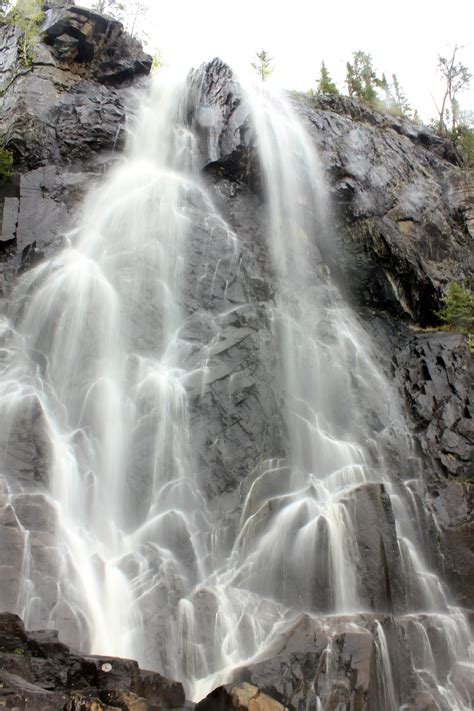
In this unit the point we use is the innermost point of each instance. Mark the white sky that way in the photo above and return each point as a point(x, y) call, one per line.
point(403, 36)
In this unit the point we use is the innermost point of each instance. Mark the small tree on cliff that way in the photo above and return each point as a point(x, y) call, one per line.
point(263, 64)
point(6, 164)
point(325, 83)
point(361, 78)
point(27, 15)
point(457, 310)
point(400, 101)
point(457, 77)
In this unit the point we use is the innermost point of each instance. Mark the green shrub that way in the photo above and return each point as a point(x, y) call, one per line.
point(457, 310)
point(6, 164)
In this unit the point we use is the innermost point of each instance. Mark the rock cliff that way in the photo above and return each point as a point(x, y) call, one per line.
point(403, 215)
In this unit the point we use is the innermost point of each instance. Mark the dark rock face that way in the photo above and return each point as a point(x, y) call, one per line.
point(454, 508)
point(401, 205)
point(380, 575)
point(300, 670)
point(80, 36)
point(63, 118)
point(220, 116)
point(437, 375)
point(37, 671)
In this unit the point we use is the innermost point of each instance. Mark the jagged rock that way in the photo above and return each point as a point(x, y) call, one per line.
point(81, 36)
point(37, 671)
point(299, 670)
point(55, 110)
point(436, 372)
point(401, 205)
point(238, 698)
point(402, 232)
point(220, 116)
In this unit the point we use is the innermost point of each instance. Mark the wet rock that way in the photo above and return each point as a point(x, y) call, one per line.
point(402, 207)
point(379, 578)
point(220, 116)
point(436, 372)
point(241, 697)
point(300, 673)
point(454, 510)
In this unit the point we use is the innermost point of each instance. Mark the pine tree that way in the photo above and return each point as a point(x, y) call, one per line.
point(325, 83)
point(361, 78)
point(263, 64)
point(457, 311)
point(354, 86)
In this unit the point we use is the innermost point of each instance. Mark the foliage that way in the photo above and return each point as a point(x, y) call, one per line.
point(131, 13)
point(157, 62)
point(27, 15)
point(263, 64)
point(457, 310)
point(464, 139)
point(6, 164)
point(325, 83)
point(361, 78)
point(400, 101)
point(457, 77)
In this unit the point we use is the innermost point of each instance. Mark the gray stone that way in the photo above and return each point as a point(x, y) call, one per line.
point(10, 219)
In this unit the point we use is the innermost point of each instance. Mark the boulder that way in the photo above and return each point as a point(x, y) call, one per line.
point(38, 671)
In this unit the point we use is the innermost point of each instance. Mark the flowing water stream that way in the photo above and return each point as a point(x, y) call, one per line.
point(107, 348)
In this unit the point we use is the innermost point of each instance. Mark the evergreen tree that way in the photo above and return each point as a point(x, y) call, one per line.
point(354, 86)
point(263, 64)
point(325, 83)
point(27, 15)
point(361, 78)
point(457, 311)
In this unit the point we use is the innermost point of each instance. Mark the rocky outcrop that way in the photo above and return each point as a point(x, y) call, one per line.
point(78, 36)
point(436, 372)
point(403, 207)
point(302, 670)
point(62, 117)
point(38, 672)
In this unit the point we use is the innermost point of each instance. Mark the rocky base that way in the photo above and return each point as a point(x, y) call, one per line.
point(338, 663)
point(39, 672)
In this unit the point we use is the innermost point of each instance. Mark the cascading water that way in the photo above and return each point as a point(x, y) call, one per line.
point(109, 349)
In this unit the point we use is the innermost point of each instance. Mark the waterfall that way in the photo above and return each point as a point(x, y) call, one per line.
point(110, 350)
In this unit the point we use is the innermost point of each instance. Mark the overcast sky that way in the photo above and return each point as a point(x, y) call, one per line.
point(403, 36)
